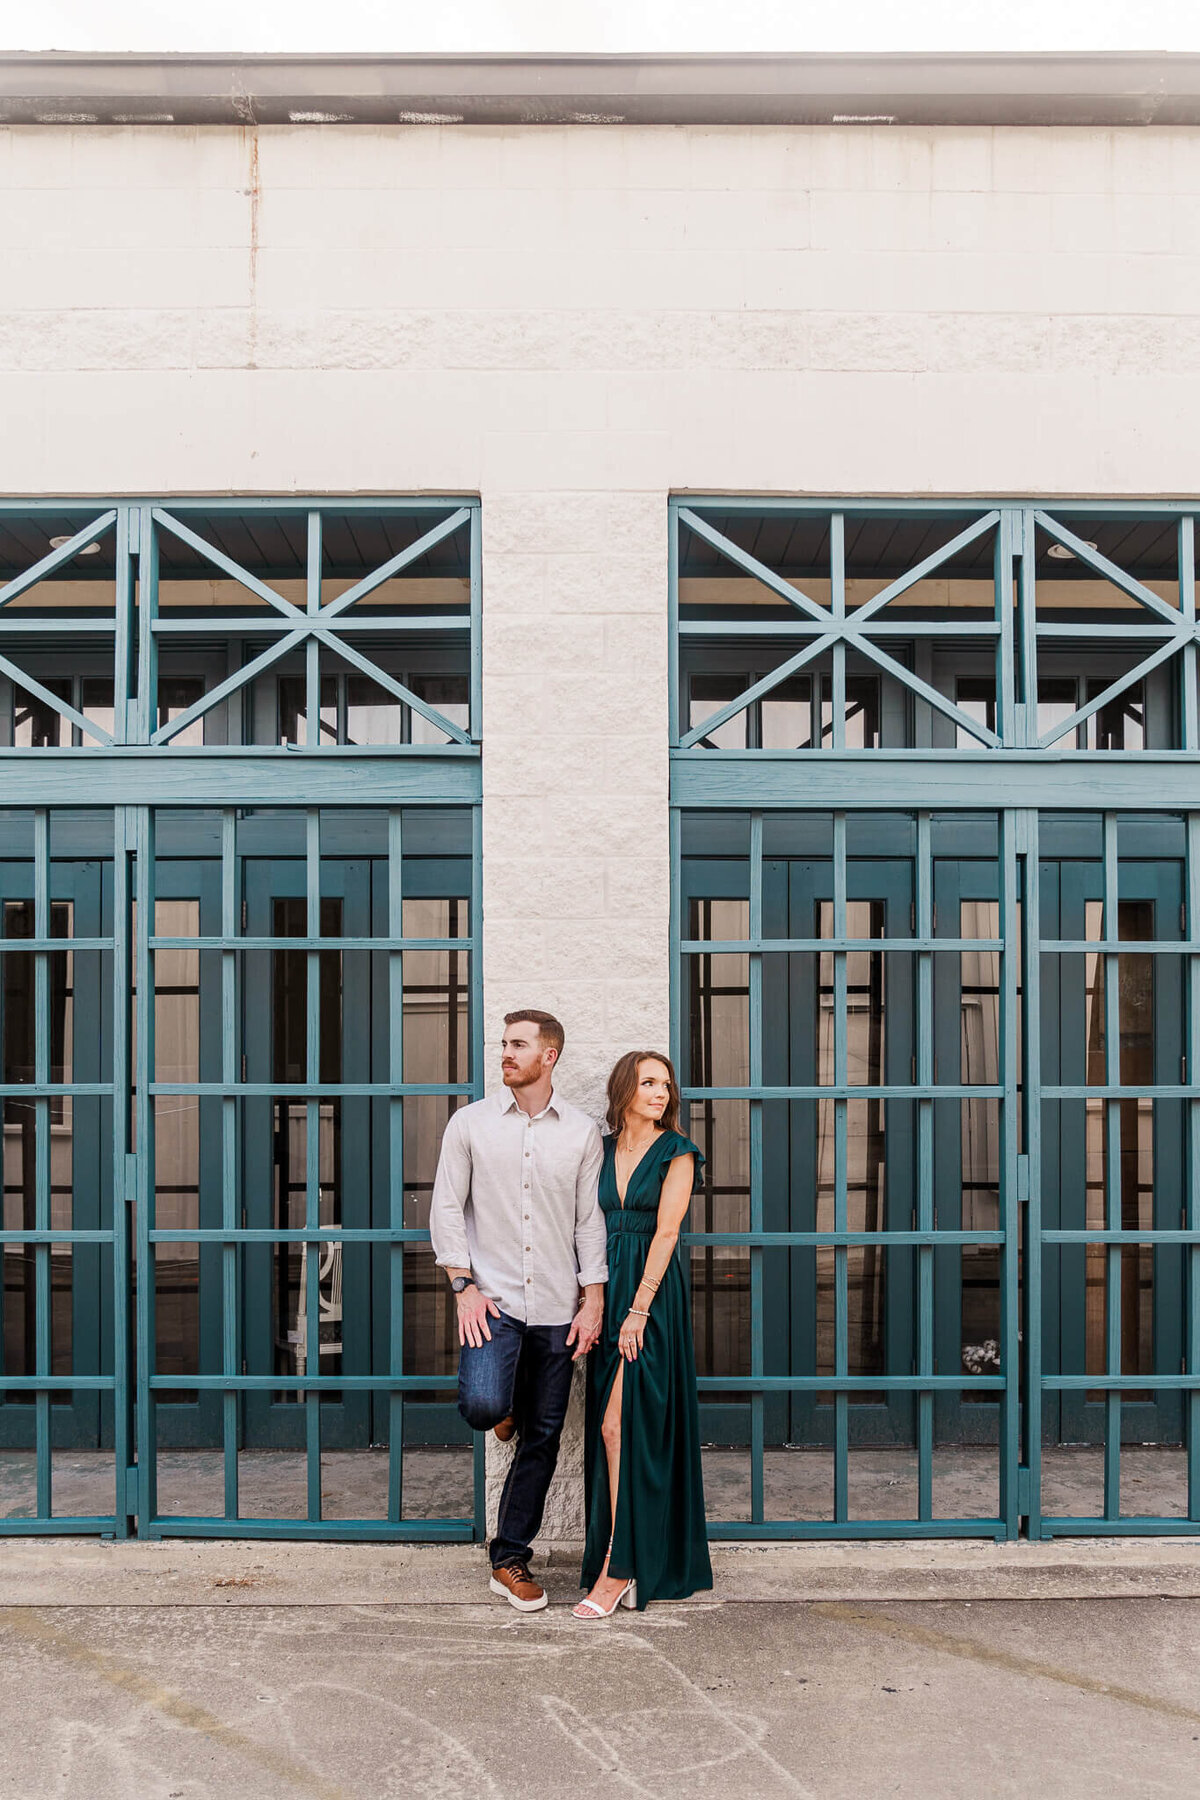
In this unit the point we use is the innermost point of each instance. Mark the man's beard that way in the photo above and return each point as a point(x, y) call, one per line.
point(513, 1078)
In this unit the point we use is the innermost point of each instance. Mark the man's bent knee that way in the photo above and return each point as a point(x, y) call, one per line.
point(482, 1411)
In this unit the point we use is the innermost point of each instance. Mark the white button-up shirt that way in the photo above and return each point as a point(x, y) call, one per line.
point(515, 1201)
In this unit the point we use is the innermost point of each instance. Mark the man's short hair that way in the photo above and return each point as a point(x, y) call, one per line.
point(552, 1032)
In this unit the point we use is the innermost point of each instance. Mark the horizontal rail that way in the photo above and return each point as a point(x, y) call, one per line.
point(309, 943)
point(285, 1090)
point(251, 1384)
point(815, 946)
point(418, 1531)
point(848, 1091)
point(837, 1384)
point(782, 1240)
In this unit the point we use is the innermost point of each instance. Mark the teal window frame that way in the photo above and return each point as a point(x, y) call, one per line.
point(1017, 775)
point(130, 774)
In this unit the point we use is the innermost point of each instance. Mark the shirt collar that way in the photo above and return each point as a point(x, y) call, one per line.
point(508, 1103)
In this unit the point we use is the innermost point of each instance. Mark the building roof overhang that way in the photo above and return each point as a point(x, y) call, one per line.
point(1102, 89)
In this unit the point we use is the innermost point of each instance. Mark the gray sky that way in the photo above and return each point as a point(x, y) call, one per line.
point(602, 25)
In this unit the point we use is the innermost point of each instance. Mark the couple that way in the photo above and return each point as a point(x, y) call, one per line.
point(533, 1214)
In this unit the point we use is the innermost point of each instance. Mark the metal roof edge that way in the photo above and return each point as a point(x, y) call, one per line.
point(59, 87)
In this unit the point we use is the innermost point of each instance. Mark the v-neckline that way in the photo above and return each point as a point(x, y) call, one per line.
point(621, 1198)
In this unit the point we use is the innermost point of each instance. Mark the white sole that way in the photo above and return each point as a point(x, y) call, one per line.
point(498, 1587)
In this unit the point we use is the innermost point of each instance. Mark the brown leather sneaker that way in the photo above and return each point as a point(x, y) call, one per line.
point(513, 1580)
point(505, 1428)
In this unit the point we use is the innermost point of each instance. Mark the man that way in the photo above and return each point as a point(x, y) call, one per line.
point(517, 1226)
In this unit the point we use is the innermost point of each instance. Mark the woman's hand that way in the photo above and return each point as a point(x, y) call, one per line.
point(629, 1338)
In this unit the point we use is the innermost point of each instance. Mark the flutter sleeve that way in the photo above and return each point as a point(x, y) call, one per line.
point(681, 1147)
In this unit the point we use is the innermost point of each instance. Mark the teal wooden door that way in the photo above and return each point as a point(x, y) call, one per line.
point(79, 1050)
point(1115, 1164)
point(281, 1010)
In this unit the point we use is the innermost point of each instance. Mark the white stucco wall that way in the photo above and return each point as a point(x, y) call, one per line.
point(573, 322)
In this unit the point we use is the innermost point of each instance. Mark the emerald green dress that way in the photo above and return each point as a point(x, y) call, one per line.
point(659, 1536)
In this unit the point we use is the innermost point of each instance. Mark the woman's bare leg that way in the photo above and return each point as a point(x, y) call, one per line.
point(606, 1586)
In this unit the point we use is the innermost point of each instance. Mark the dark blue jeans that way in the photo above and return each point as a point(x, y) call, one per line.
point(524, 1370)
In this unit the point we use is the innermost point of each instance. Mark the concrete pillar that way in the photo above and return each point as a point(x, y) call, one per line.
point(576, 863)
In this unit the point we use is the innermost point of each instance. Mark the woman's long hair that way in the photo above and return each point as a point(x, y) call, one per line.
point(623, 1084)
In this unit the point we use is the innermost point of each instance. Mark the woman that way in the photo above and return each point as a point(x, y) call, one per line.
point(646, 1538)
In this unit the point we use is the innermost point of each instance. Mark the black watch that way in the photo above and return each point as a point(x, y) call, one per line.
point(460, 1282)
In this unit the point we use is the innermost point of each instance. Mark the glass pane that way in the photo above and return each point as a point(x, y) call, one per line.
point(373, 716)
point(450, 694)
point(719, 921)
point(1121, 725)
point(720, 1020)
point(36, 724)
point(175, 695)
point(786, 715)
point(293, 710)
point(720, 1273)
point(862, 712)
point(979, 996)
point(436, 996)
point(1058, 698)
point(708, 694)
point(865, 998)
point(975, 696)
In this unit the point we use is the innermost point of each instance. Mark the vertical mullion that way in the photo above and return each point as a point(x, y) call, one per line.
point(925, 1220)
point(121, 1171)
point(673, 639)
point(123, 624)
point(757, 1447)
point(147, 609)
point(1029, 640)
point(229, 1165)
point(147, 1424)
point(1188, 661)
point(837, 594)
point(1112, 1174)
point(1010, 1196)
point(396, 1171)
point(312, 1162)
point(1031, 1022)
point(1006, 660)
point(841, 1255)
point(312, 649)
point(1191, 1216)
point(476, 564)
point(41, 1199)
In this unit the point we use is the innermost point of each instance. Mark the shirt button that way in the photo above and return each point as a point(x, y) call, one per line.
point(528, 1249)
point(527, 1153)
point(529, 1281)
point(526, 1187)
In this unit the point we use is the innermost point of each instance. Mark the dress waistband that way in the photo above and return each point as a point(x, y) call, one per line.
point(641, 1224)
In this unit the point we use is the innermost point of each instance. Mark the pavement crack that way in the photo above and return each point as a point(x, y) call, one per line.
point(926, 1638)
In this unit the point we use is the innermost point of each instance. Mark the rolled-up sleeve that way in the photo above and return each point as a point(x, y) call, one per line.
point(591, 1238)
point(451, 1190)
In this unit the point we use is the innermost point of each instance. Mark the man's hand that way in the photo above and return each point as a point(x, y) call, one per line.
point(473, 1311)
point(585, 1326)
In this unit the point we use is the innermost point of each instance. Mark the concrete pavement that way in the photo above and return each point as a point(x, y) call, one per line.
point(781, 1699)
point(181, 1670)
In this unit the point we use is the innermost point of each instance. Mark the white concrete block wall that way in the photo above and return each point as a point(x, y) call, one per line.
point(572, 322)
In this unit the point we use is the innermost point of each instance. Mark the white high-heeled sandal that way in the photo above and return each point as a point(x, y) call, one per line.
point(626, 1597)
